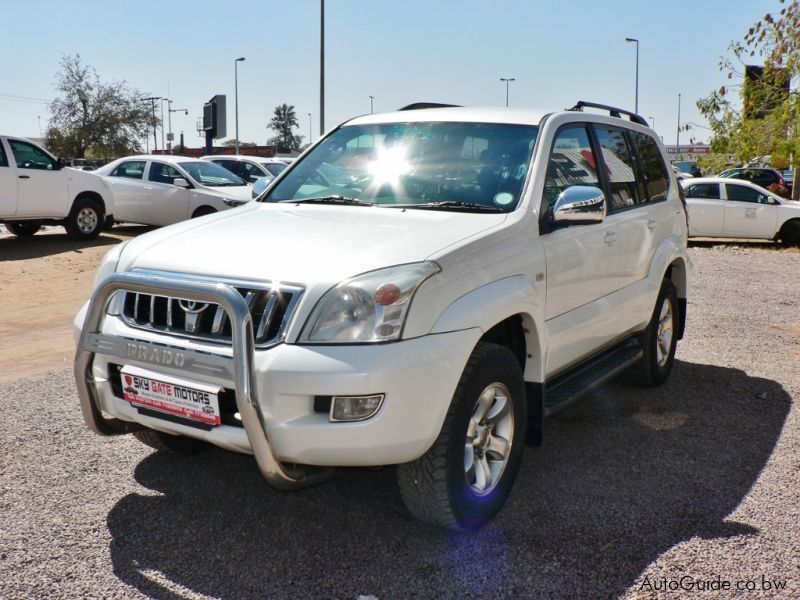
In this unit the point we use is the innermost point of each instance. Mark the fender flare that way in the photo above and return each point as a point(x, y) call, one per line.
point(492, 303)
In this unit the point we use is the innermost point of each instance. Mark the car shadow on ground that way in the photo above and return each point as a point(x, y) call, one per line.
point(622, 477)
point(56, 241)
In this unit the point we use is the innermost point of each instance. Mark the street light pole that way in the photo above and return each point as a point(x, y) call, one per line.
point(236, 98)
point(161, 107)
point(653, 121)
point(678, 136)
point(371, 105)
point(507, 80)
point(153, 99)
point(310, 134)
point(173, 110)
point(636, 108)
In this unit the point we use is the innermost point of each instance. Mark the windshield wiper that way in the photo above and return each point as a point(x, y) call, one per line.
point(333, 199)
point(451, 204)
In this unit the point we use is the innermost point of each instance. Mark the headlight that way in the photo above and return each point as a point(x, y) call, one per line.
point(108, 266)
point(109, 263)
point(232, 202)
point(368, 308)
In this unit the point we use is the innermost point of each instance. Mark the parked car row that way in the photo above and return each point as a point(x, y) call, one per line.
point(37, 189)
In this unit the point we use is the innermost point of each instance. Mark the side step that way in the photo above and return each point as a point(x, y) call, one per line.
point(567, 388)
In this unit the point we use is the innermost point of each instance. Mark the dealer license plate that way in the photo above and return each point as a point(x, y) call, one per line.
point(172, 395)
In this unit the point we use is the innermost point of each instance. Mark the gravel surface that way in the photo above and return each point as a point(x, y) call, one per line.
point(633, 490)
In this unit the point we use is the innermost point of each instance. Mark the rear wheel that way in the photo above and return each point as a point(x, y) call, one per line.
point(466, 476)
point(85, 220)
point(790, 233)
point(203, 211)
point(22, 229)
point(173, 443)
point(659, 340)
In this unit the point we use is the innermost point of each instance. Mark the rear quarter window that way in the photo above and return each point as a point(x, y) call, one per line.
point(653, 167)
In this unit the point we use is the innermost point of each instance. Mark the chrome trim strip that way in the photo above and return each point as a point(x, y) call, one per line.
point(266, 318)
point(243, 366)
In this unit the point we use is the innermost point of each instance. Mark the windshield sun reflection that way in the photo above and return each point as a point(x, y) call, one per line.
point(389, 165)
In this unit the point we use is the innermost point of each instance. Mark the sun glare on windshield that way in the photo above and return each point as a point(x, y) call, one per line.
point(389, 165)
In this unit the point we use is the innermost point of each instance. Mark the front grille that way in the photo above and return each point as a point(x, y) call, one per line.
point(271, 308)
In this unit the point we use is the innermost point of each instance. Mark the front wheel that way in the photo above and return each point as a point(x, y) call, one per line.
point(22, 229)
point(790, 233)
point(85, 220)
point(659, 340)
point(465, 477)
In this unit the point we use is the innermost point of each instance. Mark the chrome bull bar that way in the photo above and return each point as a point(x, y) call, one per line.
point(243, 371)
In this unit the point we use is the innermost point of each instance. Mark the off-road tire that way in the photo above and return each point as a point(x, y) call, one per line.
point(22, 229)
point(649, 371)
point(85, 220)
point(435, 488)
point(178, 444)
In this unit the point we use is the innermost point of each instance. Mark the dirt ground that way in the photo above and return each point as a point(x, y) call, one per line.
point(44, 281)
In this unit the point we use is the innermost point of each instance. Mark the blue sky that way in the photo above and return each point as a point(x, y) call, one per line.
point(398, 52)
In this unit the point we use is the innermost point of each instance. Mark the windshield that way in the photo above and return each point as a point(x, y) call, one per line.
point(274, 169)
point(211, 174)
point(447, 165)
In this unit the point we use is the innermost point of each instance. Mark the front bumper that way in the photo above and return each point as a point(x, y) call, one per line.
point(275, 389)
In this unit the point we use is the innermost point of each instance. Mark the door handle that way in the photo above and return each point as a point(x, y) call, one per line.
point(24, 176)
point(610, 238)
point(651, 224)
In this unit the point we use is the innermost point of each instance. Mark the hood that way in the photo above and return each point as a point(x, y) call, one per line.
point(238, 192)
point(302, 243)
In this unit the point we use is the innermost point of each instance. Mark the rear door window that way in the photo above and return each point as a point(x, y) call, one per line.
point(707, 191)
point(132, 169)
point(625, 187)
point(654, 169)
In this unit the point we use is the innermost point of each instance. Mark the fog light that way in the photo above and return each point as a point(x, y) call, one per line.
point(355, 408)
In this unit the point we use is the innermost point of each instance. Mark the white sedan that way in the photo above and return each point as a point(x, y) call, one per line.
point(160, 190)
point(734, 208)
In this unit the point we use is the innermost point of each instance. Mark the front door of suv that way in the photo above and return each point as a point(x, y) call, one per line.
point(582, 260)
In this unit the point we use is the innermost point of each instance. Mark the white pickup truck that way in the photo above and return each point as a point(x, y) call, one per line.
point(420, 289)
point(37, 189)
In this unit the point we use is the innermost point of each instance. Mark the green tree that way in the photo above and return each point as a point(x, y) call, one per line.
point(284, 120)
point(90, 116)
point(767, 122)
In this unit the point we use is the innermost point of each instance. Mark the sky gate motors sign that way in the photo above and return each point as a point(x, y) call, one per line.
point(190, 400)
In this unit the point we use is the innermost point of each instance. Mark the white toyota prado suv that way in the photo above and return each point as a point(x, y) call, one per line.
point(421, 289)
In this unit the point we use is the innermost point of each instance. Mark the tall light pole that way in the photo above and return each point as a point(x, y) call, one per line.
point(321, 67)
point(636, 108)
point(310, 134)
point(161, 108)
point(170, 137)
point(507, 80)
point(678, 136)
point(153, 99)
point(653, 121)
point(236, 98)
point(371, 105)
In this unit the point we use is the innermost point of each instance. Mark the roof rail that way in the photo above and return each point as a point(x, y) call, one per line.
point(421, 105)
point(612, 111)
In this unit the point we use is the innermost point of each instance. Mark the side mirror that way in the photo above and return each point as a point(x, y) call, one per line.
point(61, 163)
point(580, 205)
point(180, 182)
